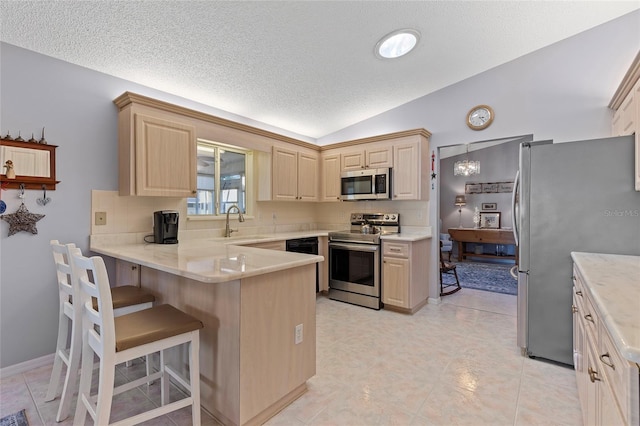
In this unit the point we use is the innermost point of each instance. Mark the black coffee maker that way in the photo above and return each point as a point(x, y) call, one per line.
point(165, 227)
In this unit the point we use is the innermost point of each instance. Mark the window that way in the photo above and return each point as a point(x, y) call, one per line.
point(222, 179)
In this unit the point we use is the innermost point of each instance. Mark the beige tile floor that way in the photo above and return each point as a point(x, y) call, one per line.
point(455, 363)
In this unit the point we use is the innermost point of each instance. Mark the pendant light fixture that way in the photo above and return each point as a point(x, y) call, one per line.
point(466, 167)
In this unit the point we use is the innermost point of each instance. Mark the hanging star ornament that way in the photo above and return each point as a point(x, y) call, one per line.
point(22, 220)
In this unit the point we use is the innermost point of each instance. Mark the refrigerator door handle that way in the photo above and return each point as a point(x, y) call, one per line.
point(514, 209)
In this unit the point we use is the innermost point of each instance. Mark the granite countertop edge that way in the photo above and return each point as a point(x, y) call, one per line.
point(613, 284)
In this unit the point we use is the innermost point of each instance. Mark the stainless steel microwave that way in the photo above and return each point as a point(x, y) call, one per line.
point(367, 184)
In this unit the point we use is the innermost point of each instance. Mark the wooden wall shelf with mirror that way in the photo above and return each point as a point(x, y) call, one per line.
point(34, 164)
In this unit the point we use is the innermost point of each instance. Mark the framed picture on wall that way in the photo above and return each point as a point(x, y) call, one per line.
point(473, 188)
point(490, 220)
point(505, 187)
point(489, 206)
point(489, 187)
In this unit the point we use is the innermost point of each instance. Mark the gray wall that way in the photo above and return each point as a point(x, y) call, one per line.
point(560, 92)
point(498, 163)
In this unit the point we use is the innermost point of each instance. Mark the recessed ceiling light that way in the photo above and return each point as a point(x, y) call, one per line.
point(397, 43)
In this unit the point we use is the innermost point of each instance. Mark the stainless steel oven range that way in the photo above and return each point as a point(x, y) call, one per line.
point(355, 259)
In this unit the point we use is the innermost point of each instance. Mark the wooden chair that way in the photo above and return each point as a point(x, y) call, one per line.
point(125, 299)
point(117, 339)
point(448, 268)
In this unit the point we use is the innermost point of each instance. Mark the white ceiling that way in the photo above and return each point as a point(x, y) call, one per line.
point(304, 66)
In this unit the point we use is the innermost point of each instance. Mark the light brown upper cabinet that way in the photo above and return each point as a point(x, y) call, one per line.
point(410, 179)
point(371, 156)
point(295, 175)
point(330, 188)
point(157, 153)
point(626, 106)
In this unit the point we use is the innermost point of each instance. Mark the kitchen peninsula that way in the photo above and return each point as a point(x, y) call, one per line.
point(255, 305)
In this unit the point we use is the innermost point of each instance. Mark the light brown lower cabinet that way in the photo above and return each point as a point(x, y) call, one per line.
point(405, 286)
point(608, 384)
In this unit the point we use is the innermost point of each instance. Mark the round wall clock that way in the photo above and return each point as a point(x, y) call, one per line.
point(480, 117)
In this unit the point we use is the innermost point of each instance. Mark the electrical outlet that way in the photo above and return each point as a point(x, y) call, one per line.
point(298, 334)
point(101, 218)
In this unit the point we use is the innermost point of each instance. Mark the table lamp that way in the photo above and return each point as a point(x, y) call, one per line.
point(460, 201)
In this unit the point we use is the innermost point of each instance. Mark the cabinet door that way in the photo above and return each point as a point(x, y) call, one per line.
point(395, 282)
point(353, 160)
point(579, 352)
point(330, 178)
point(127, 273)
point(165, 157)
point(284, 174)
point(592, 414)
point(609, 412)
point(406, 171)
point(379, 157)
point(308, 176)
point(636, 95)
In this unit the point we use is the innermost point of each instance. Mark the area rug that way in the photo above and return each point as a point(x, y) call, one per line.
point(16, 419)
point(486, 276)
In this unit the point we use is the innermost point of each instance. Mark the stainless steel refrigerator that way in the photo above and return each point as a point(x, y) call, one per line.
point(573, 196)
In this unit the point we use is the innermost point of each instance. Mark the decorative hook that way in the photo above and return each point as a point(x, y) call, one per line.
point(21, 194)
point(44, 200)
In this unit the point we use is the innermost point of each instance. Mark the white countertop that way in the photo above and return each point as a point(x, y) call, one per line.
point(409, 234)
point(614, 283)
point(207, 260)
point(219, 259)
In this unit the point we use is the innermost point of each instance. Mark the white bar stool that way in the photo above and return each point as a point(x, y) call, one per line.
point(118, 339)
point(126, 299)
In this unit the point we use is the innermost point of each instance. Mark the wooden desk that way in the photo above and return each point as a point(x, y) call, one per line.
point(479, 235)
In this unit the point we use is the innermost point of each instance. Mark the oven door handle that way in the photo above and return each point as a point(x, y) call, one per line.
point(355, 247)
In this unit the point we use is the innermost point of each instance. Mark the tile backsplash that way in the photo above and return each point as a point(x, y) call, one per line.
point(132, 214)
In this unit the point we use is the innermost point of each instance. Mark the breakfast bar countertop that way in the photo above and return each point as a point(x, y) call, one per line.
point(207, 260)
point(614, 284)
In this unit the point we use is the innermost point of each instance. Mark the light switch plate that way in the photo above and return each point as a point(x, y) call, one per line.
point(101, 218)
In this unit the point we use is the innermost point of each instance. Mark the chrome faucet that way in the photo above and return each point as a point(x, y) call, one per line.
point(228, 230)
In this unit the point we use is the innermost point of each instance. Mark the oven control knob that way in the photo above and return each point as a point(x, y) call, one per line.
point(393, 217)
point(386, 217)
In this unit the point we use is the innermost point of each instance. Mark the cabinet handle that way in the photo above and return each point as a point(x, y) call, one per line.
point(579, 293)
point(608, 364)
point(574, 309)
point(588, 317)
point(593, 375)
point(394, 249)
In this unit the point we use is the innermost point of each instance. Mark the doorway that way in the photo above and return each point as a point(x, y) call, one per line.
point(476, 207)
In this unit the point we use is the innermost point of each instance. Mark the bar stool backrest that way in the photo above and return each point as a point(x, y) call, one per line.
point(94, 282)
point(66, 283)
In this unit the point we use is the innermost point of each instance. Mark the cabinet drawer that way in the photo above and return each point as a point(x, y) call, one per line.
point(614, 368)
point(395, 249)
point(591, 320)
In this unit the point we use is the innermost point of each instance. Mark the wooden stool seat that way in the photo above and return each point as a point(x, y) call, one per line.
point(126, 299)
point(150, 325)
point(128, 295)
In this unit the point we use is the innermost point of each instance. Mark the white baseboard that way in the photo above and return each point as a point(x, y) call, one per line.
point(26, 366)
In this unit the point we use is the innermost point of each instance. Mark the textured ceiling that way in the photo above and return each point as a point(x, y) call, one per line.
point(304, 66)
